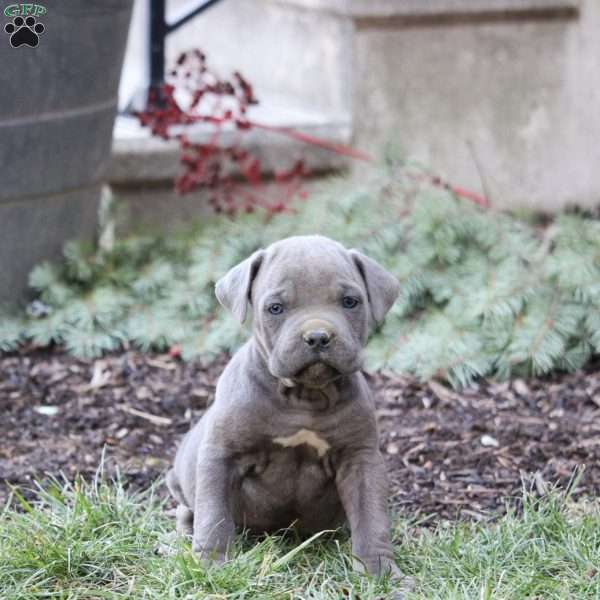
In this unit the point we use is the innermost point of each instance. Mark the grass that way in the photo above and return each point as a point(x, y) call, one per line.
point(97, 540)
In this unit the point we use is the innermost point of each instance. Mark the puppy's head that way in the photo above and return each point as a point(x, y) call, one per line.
point(313, 302)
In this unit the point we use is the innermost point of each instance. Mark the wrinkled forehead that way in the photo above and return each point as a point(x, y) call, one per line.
point(312, 265)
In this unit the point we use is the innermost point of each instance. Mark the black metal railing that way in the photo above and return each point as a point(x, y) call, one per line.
point(160, 28)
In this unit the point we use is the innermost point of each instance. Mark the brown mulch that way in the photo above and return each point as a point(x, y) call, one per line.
point(457, 455)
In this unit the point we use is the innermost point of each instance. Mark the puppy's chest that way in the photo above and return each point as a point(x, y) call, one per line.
point(294, 452)
point(304, 438)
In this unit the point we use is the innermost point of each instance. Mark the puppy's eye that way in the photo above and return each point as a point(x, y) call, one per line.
point(276, 308)
point(349, 302)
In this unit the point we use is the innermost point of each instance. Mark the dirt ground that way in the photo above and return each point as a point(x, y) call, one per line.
point(454, 455)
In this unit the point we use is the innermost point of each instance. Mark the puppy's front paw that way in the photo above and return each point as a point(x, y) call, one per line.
point(383, 566)
point(209, 557)
point(401, 586)
point(377, 566)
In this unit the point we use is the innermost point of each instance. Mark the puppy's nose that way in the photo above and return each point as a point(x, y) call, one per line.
point(317, 338)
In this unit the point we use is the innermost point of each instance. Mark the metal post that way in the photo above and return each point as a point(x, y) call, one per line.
point(158, 32)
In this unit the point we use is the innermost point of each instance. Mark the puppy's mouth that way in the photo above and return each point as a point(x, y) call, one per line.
point(316, 374)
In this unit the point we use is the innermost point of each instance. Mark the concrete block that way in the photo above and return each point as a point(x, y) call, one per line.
point(506, 108)
point(34, 231)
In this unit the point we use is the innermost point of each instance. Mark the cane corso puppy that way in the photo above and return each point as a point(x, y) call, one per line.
point(291, 437)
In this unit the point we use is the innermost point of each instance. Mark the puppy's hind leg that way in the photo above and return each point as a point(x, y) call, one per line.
point(184, 520)
point(183, 514)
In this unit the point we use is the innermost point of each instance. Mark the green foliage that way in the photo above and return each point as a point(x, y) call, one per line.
point(483, 293)
point(11, 331)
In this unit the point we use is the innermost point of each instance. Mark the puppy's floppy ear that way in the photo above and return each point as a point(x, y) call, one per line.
point(382, 287)
point(234, 288)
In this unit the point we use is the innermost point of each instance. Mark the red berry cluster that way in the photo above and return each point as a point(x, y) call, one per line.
point(196, 96)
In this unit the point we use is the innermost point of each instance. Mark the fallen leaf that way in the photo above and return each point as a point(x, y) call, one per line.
point(121, 433)
point(488, 440)
point(100, 376)
point(47, 411)
point(520, 387)
point(392, 448)
point(143, 393)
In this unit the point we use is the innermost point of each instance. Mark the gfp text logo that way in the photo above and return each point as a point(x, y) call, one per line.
point(25, 28)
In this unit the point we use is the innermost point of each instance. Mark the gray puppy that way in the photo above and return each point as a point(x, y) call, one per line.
point(291, 436)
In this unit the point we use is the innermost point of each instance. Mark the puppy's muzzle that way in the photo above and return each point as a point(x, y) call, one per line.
point(314, 350)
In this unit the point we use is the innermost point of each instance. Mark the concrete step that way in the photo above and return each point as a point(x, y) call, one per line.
point(140, 158)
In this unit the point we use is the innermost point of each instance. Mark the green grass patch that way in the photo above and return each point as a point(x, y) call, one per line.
point(96, 540)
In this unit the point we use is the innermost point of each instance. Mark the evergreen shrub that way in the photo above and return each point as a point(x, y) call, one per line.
point(482, 293)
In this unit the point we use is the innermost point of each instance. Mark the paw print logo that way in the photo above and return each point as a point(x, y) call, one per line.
point(24, 32)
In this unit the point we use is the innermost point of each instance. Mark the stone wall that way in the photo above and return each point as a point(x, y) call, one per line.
point(507, 103)
point(500, 96)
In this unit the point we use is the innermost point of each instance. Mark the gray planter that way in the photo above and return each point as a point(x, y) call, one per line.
point(57, 106)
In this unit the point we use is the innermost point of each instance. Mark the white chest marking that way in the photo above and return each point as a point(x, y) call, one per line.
point(305, 436)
